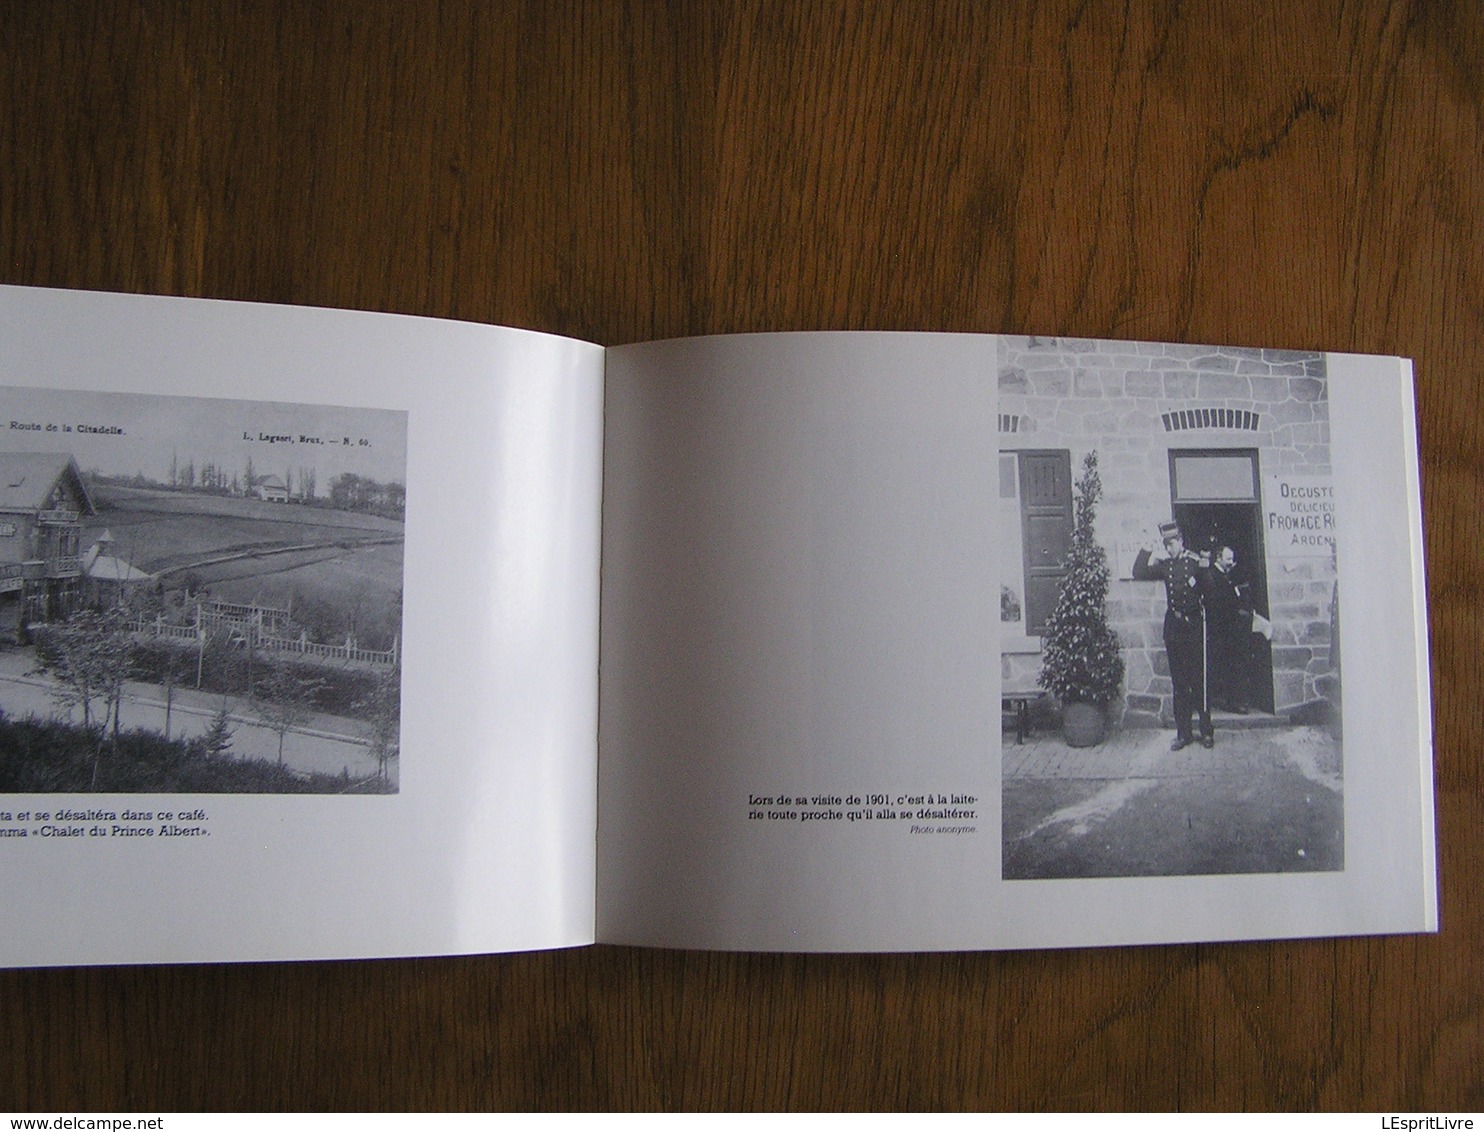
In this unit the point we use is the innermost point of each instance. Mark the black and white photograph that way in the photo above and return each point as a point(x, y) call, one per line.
point(1169, 611)
point(199, 595)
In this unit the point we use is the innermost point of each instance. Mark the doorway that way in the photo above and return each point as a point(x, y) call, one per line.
point(1214, 497)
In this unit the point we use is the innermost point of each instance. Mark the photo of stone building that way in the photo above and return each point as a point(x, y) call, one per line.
point(1231, 445)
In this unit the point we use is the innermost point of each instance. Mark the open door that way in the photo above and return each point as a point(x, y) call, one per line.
point(1214, 498)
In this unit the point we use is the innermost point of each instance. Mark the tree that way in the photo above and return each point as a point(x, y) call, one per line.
point(174, 667)
point(1081, 661)
point(216, 741)
point(351, 492)
point(382, 708)
point(396, 497)
point(347, 491)
point(89, 656)
point(284, 701)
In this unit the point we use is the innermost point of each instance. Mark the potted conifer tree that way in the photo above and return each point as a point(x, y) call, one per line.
point(1081, 660)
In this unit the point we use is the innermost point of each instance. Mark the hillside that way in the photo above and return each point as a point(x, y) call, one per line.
point(341, 570)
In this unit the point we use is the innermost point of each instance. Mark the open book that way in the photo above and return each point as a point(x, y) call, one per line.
point(333, 634)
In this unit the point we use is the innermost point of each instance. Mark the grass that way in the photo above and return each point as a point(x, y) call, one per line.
point(158, 501)
point(353, 585)
point(365, 582)
point(158, 530)
point(48, 757)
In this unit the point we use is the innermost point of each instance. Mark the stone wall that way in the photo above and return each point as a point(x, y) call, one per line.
point(1133, 403)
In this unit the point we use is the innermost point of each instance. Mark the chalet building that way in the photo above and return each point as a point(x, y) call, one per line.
point(271, 489)
point(110, 579)
point(1231, 443)
point(43, 501)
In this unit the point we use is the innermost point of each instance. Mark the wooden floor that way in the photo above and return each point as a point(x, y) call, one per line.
point(1261, 172)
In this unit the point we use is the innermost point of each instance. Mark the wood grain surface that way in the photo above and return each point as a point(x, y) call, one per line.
point(1245, 171)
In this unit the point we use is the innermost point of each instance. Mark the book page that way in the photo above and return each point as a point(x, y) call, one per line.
point(798, 629)
point(299, 612)
point(829, 558)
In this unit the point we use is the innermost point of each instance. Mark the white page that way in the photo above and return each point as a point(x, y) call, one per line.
point(802, 540)
point(486, 842)
point(796, 533)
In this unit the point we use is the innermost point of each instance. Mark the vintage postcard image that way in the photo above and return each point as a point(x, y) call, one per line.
point(199, 595)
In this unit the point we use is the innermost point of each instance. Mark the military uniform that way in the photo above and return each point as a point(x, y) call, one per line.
point(1185, 645)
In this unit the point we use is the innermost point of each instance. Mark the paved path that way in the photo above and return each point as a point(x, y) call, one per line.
point(1262, 800)
point(1143, 753)
point(326, 743)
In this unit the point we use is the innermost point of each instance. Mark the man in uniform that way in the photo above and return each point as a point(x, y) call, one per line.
point(1184, 576)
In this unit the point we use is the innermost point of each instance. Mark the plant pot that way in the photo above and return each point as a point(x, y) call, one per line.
point(1083, 725)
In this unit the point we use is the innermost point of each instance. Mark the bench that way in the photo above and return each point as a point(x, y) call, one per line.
point(1015, 703)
